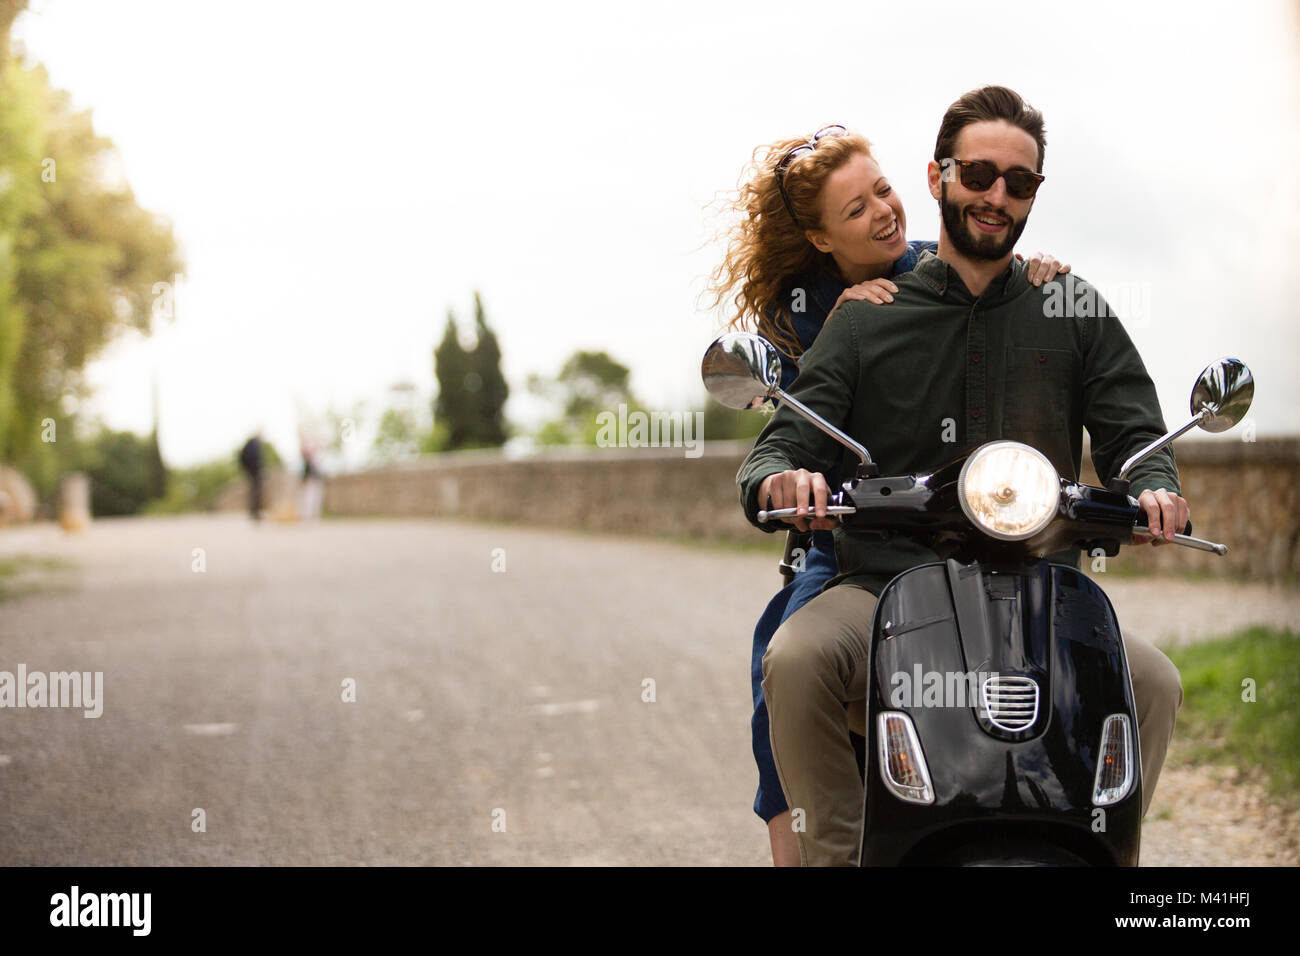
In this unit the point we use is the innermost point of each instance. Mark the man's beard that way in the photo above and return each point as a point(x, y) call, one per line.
point(976, 246)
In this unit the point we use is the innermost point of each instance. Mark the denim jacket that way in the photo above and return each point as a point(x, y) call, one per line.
point(821, 291)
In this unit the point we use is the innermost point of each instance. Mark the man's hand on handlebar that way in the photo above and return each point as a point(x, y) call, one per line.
point(1167, 514)
point(794, 489)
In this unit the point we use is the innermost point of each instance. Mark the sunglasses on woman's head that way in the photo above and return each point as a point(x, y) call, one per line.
point(790, 157)
point(979, 175)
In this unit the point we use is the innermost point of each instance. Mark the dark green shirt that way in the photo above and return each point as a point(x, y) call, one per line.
point(936, 373)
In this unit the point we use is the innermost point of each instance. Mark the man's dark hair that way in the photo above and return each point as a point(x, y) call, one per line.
point(989, 103)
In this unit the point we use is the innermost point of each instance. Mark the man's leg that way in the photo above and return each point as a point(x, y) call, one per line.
point(817, 662)
point(1157, 693)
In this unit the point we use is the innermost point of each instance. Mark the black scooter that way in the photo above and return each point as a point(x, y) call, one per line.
point(1000, 714)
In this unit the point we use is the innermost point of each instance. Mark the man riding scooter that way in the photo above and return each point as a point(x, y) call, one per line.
point(968, 352)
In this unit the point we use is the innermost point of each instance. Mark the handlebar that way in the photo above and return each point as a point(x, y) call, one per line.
point(1186, 540)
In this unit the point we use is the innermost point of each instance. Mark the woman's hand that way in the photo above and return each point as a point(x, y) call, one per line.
point(1043, 268)
point(791, 489)
point(878, 291)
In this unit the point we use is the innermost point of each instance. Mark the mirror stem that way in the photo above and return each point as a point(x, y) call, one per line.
point(1161, 442)
point(867, 465)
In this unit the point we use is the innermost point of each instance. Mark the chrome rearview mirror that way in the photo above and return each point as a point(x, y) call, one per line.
point(741, 370)
point(1220, 399)
point(1224, 391)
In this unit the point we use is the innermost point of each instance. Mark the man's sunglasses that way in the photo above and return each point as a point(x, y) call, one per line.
point(979, 175)
point(790, 157)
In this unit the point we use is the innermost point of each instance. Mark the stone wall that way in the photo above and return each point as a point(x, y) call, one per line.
point(625, 490)
point(1241, 493)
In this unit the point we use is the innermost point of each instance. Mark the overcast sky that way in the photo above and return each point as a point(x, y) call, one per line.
point(339, 175)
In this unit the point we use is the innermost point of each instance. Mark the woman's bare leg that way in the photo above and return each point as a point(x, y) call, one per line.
point(785, 843)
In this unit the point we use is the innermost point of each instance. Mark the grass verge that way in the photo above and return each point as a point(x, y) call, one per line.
point(24, 574)
point(1240, 695)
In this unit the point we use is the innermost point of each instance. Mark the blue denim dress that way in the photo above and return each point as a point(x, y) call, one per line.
point(819, 564)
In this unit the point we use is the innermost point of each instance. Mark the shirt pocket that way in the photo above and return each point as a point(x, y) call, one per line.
point(1040, 386)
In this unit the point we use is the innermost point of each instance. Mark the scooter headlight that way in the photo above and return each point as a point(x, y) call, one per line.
point(1009, 490)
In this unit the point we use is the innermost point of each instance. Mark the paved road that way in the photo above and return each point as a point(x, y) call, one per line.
point(482, 696)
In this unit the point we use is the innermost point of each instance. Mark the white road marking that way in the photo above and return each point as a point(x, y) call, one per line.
point(567, 707)
point(211, 730)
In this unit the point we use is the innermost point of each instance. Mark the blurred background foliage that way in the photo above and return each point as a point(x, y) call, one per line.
point(587, 384)
point(593, 382)
point(81, 263)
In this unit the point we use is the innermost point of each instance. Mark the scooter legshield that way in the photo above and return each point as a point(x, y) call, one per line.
point(1008, 673)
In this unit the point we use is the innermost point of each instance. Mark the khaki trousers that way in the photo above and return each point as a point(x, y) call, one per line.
point(817, 664)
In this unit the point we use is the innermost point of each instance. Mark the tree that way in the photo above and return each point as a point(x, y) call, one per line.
point(588, 384)
point(157, 468)
point(118, 464)
point(722, 423)
point(451, 366)
point(470, 408)
point(9, 10)
point(80, 261)
point(489, 399)
point(399, 433)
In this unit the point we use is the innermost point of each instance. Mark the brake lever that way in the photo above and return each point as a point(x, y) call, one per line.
point(810, 514)
point(1187, 541)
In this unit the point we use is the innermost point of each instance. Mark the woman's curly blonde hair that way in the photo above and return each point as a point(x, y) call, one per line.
point(767, 251)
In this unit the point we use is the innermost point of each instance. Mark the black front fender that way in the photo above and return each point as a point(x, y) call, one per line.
point(940, 632)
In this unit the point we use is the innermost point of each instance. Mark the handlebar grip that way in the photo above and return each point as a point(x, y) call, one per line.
point(1186, 530)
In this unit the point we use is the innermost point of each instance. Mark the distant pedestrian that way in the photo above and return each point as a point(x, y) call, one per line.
point(250, 459)
point(313, 483)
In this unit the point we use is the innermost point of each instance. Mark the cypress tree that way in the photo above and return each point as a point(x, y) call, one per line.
point(489, 397)
point(451, 408)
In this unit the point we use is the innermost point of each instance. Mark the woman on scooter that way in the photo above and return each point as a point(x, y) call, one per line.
point(819, 224)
